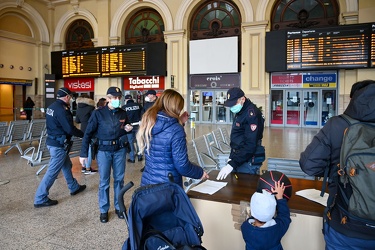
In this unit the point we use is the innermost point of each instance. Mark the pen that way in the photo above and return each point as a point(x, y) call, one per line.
point(236, 176)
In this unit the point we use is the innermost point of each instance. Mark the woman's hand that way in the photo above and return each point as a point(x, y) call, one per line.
point(184, 117)
point(204, 176)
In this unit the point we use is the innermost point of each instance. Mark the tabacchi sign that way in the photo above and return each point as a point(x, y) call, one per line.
point(144, 83)
point(80, 84)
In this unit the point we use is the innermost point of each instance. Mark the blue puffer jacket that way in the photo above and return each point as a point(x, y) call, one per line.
point(168, 153)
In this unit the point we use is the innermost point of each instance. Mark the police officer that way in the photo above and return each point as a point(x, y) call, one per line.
point(133, 111)
point(60, 129)
point(110, 125)
point(150, 99)
point(246, 135)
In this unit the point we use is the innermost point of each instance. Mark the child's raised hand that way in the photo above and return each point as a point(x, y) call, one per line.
point(278, 190)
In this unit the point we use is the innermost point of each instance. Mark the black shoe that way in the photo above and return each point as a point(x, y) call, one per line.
point(120, 215)
point(142, 169)
point(131, 161)
point(47, 203)
point(104, 217)
point(140, 158)
point(80, 189)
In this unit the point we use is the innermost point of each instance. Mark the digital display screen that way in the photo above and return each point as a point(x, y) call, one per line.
point(345, 47)
point(81, 63)
point(339, 47)
point(123, 61)
point(111, 61)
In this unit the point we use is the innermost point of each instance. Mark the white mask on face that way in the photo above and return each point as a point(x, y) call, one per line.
point(147, 99)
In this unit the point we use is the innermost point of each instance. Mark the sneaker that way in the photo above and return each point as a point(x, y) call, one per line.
point(91, 171)
point(83, 170)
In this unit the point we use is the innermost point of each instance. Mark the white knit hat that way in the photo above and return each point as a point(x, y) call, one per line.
point(263, 206)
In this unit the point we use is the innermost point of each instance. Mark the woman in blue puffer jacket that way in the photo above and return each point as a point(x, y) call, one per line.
point(162, 138)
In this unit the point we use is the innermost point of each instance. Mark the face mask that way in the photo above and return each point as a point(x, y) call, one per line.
point(115, 103)
point(147, 99)
point(236, 108)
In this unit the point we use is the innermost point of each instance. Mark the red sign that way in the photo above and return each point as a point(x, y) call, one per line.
point(144, 83)
point(286, 80)
point(80, 84)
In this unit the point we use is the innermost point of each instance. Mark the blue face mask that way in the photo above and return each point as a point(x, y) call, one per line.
point(115, 103)
point(236, 108)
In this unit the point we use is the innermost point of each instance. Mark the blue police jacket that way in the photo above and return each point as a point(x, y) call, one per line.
point(246, 134)
point(59, 123)
point(133, 111)
point(108, 126)
point(168, 153)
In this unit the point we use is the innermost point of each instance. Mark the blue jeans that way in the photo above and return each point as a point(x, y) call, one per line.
point(131, 140)
point(106, 160)
point(89, 158)
point(337, 241)
point(248, 168)
point(59, 161)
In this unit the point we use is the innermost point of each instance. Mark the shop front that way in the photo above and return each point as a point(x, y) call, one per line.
point(137, 86)
point(303, 99)
point(79, 86)
point(207, 94)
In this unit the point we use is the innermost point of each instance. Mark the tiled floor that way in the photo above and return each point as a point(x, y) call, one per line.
point(74, 222)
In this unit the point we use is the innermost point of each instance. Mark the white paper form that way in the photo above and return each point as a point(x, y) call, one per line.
point(209, 187)
point(313, 195)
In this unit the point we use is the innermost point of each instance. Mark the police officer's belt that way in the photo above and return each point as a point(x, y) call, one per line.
point(109, 142)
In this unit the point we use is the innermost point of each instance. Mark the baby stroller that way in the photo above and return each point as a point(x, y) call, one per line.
point(161, 216)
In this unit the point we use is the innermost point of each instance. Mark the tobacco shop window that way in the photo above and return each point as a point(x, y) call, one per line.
point(300, 14)
point(215, 19)
point(145, 26)
point(79, 35)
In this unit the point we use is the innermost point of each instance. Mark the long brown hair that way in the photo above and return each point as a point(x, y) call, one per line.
point(171, 102)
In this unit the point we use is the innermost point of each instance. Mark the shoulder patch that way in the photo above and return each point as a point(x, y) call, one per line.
point(253, 127)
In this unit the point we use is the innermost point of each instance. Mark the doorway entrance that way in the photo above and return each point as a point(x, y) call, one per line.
point(302, 108)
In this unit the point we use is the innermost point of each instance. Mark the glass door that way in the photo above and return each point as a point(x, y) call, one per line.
point(328, 102)
point(310, 107)
point(220, 110)
point(293, 108)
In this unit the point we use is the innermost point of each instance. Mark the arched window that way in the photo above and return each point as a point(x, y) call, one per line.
point(145, 26)
point(299, 14)
point(215, 19)
point(79, 35)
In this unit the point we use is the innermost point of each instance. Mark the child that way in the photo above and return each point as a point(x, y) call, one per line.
point(261, 230)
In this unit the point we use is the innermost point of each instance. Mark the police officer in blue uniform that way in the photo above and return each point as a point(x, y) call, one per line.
point(110, 125)
point(60, 129)
point(134, 112)
point(246, 135)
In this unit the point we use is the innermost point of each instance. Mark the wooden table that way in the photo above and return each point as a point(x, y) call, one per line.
point(218, 214)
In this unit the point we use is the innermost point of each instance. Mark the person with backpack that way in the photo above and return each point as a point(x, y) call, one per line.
point(344, 227)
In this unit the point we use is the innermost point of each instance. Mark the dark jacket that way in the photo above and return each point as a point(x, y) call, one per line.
point(59, 122)
point(147, 105)
point(324, 149)
point(247, 132)
point(268, 238)
point(168, 153)
point(106, 125)
point(85, 106)
point(134, 112)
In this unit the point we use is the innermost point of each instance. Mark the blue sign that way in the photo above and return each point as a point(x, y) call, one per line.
point(320, 78)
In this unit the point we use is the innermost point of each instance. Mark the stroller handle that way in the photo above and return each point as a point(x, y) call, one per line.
point(121, 196)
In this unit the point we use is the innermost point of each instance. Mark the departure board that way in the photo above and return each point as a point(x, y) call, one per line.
point(339, 47)
point(111, 61)
point(81, 63)
point(344, 47)
point(123, 61)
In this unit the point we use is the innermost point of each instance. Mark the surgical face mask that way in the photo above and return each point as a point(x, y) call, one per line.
point(236, 108)
point(115, 103)
point(147, 99)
